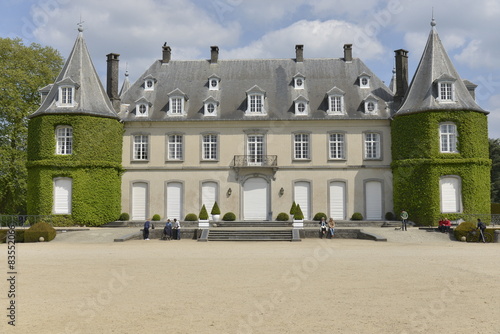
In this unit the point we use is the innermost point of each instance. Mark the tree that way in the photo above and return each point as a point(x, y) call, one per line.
point(495, 170)
point(24, 70)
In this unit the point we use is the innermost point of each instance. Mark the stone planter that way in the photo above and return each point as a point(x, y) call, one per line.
point(298, 223)
point(203, 223)
point(215, 218)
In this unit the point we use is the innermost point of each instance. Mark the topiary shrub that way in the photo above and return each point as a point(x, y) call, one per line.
point(62, 220)
point(319, 215)
point(18, 236)
point(215, 209)
point(298, 213)
point(293, 208)
point(390, 216)
point(282, 217)
point(38, 230)
point(229, 217)
point(357, 216)
point(203, 213)
point(124, 217)
point(191, 217)
point(156, 218)
point(464, 228)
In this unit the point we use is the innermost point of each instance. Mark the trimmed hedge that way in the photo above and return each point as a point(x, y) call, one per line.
point(38, 230)
point(124, 217)
point(203, 213)
point(357, 216)
point(298, 213)
point(229, 217)
point(18, 235)
point(215, 209)
point(282, 217)
point(319, 215)
point(156, 218)
point(418, 164)
point(464, 228)
point(94, 167)
point(191, 217)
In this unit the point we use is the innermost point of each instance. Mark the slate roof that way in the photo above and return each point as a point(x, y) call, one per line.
point(275, 77)
point(90, 97)
point(434, 65)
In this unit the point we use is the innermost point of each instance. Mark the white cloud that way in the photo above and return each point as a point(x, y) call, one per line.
point(320, 39)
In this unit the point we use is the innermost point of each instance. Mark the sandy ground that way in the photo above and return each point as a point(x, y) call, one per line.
point(417, 282)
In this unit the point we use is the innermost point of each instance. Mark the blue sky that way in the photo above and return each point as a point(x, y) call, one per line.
point(271, 29)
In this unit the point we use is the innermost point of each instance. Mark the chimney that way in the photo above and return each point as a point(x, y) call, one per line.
point(299, 53)
point(112, 79)
point(167, 52)
point(347, 52)
point(214, 54)
point(401, 76)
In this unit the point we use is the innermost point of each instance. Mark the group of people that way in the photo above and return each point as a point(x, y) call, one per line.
point(170, 231)
point(444, 225)
point(327, 229)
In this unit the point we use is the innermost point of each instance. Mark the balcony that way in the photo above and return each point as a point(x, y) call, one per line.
point(241, 161)
point(261, 162)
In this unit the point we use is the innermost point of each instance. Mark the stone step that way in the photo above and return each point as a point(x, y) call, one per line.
point(250, 235)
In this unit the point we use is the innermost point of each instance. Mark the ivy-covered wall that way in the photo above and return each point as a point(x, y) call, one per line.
point(418, 165)
point(94, 166)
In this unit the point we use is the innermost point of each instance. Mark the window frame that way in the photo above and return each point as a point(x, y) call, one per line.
point(372, 149)
point(340, 146)
point(301, 146)
point(63, 96)
point(210, 148)
point(450, 138)
point(446, 95)
point(140, 150)
point(175, 147)
point(336, 107)
point(64, 142)
point(363, 84)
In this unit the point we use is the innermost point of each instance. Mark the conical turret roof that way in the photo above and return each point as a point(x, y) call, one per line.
point(89, 97)
point(435, 66)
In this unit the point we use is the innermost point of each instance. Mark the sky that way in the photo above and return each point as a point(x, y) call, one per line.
point(248, 29)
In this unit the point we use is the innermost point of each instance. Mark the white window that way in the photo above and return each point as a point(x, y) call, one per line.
point(301, 106)
point(336, 104)
point(149, 84)
point(64, 140)
point(175, 147)
point(298, 82)
point(301, 146)
point(210, 108)
point(62, 195)
point(364, 81)
point(256, 103)
point(209, 146)
point(142, 110)
point(445, 91)
point(372, 146)
point(371, 105)
point(213, 84)
point(451, 194)
point(255, 149)
point(176, 105)
point(336, 144)
point(141, 147)
point(66, 96)
point(448, 138)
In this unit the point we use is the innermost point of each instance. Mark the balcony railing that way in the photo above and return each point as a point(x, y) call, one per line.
point(240, 161)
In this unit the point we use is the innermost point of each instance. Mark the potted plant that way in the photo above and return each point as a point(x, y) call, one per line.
point(203, 218)
point(215, 212)
point(293, 209)
point(298, 218)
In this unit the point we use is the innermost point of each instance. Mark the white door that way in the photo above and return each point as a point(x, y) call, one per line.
point(302, 197)
point(174, 200)
point(139, 200)
point(255, 199)
point(450, 194)
point(62, 195)
point(373, 200)
point(208, 195)
point(337, 200)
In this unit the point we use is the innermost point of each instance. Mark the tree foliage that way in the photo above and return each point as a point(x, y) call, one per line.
point(495, 170)
point(25, 69)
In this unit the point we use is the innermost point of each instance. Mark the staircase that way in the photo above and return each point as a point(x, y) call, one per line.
point(250, 231)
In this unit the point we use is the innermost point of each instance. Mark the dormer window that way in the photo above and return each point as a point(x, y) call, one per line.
point(364, 81)
point(210, 107)
point(142, 107)
point(176, 102)
point(66, 92)
point(336, 101)
point(446, 88)
point(298, 81)
point(149, 82)
point(213, 82)
point(301, 106)
point(255, 101)
point(371, 105)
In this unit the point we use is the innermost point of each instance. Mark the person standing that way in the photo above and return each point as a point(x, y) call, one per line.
point(404, 220)
point(331, 228)
point(145, 231)
point(167, 230)
point(177, 227)
point(481, 226)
